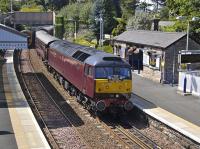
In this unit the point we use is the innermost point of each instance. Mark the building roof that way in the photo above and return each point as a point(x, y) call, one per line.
point(12, 30)
point(150, 38)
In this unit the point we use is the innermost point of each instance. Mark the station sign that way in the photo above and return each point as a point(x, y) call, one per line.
point(189, 56)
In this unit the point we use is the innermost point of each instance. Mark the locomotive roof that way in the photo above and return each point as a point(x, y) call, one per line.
point(45, 37)
point(87, 54)
point(106, 59)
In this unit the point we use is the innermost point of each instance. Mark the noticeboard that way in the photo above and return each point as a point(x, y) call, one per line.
point(190, 58)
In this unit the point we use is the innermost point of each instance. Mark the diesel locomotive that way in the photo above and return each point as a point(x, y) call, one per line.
point(100, 81)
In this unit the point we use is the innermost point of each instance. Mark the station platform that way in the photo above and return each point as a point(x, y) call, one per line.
point(18, 126)
point(162, 102)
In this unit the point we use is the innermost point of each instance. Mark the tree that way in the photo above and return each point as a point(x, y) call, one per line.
point(140, 22)
point(121, 27)
point(144, 6)
point(56, 4)
point(159, 3)
point(43, 3)
point(189, 9)
point(106, 8)
point(128, 8)
point(117, 8)
point(5, 6)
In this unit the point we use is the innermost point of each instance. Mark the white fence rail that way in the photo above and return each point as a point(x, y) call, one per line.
point(190, 82)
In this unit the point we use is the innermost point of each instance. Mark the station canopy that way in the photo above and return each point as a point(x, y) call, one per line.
point(12, 39)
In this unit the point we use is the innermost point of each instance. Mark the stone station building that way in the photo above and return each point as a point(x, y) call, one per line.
point(160, 52)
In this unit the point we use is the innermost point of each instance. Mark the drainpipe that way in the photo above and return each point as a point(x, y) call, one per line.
point(174, 56)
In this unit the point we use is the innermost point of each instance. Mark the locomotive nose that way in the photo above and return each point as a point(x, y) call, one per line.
point(128, 106)
point(100, 105)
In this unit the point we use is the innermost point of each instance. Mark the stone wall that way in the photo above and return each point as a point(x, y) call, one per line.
point(152, 74)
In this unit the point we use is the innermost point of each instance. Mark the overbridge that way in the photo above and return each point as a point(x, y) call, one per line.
point(33, 18)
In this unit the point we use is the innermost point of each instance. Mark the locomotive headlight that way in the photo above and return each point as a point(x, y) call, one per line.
point(117, 95)
point(107, 87)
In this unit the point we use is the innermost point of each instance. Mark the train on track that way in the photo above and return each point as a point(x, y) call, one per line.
point(100, 81)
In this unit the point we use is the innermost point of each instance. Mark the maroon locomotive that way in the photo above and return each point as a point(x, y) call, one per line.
point(99, 80)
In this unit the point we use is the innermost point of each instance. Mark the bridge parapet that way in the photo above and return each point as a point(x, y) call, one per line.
point(33, 18)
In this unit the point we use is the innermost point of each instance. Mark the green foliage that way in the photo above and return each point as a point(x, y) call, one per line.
point(59, 20)
point(84, 42)
point(140, 22)
point(144, 6)
point(59, 27)
point(85, 12)
point(32, 9)
point(128, 8)
point(189, 9)
point(121, 27)
point(164, 13)
point(184, 7)
point(4, 7)
point(108, 49)
point(73, 11)
point(56, 4)
point(59, 31)
point(31, 6)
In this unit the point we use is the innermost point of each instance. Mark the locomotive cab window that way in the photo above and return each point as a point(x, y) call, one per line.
point(88, 71)
point(109, 72)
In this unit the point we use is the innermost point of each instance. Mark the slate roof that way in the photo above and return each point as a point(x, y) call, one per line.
point(12, 30)
point(150, 38)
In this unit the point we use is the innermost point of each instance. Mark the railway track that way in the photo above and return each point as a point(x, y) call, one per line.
point(128, 138)
point(54, 122)
point(131, 138)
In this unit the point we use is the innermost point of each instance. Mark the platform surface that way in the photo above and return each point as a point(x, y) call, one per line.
point(165, 104)
point(18, 126)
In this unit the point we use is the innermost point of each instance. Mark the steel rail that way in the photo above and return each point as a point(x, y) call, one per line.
point(134, 138)
point(125, 137)
point(55, 144)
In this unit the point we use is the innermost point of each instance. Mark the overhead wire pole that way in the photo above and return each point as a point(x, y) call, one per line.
point(101, 33)
point(102, 30)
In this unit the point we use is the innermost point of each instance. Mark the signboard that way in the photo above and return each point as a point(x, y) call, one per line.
point(190, 58)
